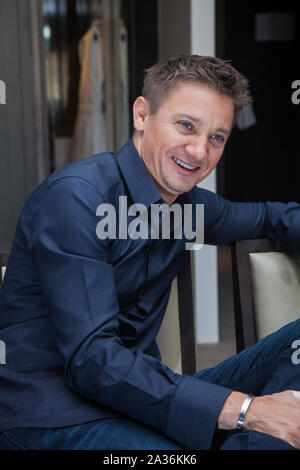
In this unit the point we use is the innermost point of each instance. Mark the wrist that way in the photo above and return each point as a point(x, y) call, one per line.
point(255, 418)
point(229, 414)
point(243, 412)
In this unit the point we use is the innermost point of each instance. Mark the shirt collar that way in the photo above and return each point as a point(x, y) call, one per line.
point(137, 178)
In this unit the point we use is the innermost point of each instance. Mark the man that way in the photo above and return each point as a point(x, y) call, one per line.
point(80, 309)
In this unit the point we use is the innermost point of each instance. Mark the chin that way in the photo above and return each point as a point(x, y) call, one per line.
point(176, 190)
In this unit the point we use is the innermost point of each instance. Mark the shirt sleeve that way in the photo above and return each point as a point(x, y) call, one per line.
point(78, 283)
point(227, 221)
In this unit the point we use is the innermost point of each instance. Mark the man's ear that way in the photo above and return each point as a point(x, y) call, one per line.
point(140, 112)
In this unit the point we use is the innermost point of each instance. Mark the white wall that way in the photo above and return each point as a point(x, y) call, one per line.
point(205, 261)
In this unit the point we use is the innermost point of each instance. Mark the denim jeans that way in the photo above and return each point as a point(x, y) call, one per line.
point(265, 367)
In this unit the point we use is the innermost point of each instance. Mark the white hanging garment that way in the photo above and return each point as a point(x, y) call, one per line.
point(89, 136)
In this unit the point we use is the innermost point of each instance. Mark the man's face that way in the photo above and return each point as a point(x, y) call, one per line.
point(183, 142)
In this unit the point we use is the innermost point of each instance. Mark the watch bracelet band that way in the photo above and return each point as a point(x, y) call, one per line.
point(244, 409)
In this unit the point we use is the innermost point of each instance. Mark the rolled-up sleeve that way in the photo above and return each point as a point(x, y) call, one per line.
point(79, 286)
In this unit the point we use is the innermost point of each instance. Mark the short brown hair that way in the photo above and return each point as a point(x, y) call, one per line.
point(161, 78)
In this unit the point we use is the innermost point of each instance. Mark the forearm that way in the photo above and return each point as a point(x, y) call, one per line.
point(230, 411)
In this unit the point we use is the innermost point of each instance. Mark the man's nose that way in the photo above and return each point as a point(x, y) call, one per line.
point(198, 149)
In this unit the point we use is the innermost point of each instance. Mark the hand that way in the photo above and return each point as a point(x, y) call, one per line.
point(277, 415)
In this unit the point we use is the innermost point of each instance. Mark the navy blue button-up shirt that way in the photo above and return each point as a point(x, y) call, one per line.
point(79, 315)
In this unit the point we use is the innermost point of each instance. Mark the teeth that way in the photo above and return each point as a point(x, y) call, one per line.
point(185, 165)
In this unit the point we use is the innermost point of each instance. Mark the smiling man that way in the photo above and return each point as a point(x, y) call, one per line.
point(184, 140)
point(80, 314)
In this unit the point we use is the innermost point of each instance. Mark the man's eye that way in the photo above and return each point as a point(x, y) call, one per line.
point(186, 125)
point(218, 139)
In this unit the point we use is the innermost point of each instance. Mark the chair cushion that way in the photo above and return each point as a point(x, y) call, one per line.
point(276, 290)
point(168, 338)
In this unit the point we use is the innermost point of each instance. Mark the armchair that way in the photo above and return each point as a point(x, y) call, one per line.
point(266, 289)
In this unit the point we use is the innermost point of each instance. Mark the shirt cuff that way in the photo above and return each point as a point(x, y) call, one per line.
point(194, 412)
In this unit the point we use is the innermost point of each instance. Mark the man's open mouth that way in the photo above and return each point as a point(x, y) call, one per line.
point(184, 165)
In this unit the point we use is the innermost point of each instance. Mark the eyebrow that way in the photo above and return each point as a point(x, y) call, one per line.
point(224, 131)
point(198, 121)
